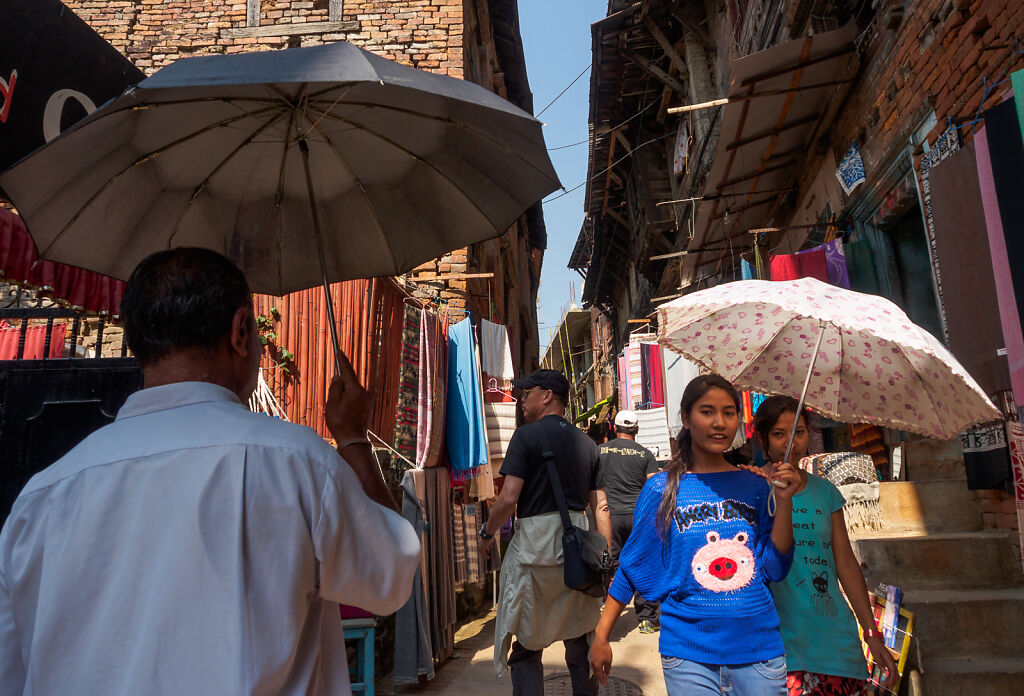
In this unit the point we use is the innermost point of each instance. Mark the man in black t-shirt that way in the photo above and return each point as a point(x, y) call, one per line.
point(626, 466)
point(535, 605)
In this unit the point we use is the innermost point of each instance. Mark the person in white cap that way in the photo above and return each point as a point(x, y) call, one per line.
point(626, 466)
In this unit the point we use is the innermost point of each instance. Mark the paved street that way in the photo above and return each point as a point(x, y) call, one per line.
point(471, 672)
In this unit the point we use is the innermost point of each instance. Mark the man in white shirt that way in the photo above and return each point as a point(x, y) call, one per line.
point(191, 546)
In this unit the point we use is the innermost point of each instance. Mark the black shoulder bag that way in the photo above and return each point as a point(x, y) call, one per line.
point(587, 566)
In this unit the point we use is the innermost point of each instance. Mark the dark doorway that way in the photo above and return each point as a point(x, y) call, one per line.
point(916, 294)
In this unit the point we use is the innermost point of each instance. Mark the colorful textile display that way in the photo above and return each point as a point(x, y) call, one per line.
point(1015, 436)
point(997, 180)
point(653, 432)
point(501, 423)
point(407, 407)
point(76, 286)
point(438, 565)
point(651, 376)
point(679, 372)
point(810, 264)
point(414, 656)
point(850, 171)
point(464, 524)
point(35, 342)
point(835, 262)
point(495, 352)
point(465, 429)
point(433, 382)
point(986, 457)
point(623, 383)
point(855, 476)
point(747, 271)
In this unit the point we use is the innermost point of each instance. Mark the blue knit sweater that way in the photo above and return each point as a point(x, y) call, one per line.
point(710, 573)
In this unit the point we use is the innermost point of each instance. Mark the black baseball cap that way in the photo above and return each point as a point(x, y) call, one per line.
point(545, 379)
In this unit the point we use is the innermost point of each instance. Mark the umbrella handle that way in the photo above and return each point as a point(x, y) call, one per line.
point(796, 416)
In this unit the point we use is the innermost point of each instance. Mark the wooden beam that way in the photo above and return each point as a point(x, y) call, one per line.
point(754, 175)
point(748, 206)
point(666, 45)
point(298, 29)
point(451, 276)
point(772, 132)
point(673, 255)
point(654, 71)
point(849, 48)
point(618, 218)
point(756, 95)
point(693, 27)
point(623, 141)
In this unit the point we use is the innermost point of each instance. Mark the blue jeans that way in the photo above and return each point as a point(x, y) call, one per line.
point(685, 678)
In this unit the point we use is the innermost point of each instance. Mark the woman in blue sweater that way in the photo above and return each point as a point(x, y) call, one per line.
point(705, 546)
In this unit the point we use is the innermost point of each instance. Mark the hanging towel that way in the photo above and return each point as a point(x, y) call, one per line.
point(465, 430)
point(810, 264)
point(850, 171)
point(652, 432)
point(501, 423)
point(986, 457)
point(835, 262)
point(496, 354)
point(623, 384)
point(860, 263)
point(652, 375)
point(407, 409)
point(747, 270)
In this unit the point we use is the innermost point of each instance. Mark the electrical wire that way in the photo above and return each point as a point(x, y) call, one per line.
point(581, 142)
point(537, 115)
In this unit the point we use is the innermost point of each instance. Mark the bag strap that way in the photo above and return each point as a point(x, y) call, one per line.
point(556, 484)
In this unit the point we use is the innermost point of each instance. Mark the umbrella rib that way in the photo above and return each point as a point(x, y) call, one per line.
point(920, 378)
point(412, 154)
point(448, 122)
point(279, 197)
point(205, 182)
point(359, 183)
point(138, 161)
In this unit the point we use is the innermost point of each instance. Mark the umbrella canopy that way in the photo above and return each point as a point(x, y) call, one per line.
point(873, 365)
point(403, 166)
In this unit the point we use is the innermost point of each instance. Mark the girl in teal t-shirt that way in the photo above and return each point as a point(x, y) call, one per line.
point(823, 651)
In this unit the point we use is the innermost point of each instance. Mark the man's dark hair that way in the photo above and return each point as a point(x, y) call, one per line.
point(181, 298)
point(627, 429)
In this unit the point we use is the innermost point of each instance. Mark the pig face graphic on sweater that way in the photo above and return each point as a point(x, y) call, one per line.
point(723, 565)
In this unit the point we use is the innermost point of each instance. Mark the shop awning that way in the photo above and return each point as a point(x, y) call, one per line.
point(599, 408)
point(76, 287)
point(780, 103)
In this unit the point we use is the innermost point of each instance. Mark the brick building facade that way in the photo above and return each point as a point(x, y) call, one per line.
point(476, 40)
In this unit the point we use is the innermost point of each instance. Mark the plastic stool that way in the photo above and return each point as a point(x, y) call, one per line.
point(359, 632)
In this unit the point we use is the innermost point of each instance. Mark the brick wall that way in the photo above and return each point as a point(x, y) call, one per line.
point(453, 37)
point(999, 511)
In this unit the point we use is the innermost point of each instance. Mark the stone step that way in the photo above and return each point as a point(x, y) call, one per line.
point(914, 508)
point(977, 676)
point(960, 560)
point(953, 623)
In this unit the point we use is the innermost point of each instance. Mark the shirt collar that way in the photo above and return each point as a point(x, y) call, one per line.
point(174, 395)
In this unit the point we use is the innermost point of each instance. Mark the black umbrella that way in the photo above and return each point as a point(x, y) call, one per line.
point(304, 166)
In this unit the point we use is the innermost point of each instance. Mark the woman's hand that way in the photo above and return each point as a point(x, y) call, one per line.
point(883, 658)
point(789, 475)
point(754, 469)
point(601, 659)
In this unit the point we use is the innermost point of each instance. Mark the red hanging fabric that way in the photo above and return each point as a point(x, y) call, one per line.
point(810, 264)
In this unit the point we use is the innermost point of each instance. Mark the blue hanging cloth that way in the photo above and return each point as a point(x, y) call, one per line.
point(465, 430)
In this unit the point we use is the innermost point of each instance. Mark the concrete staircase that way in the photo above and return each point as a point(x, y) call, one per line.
point(962, 582)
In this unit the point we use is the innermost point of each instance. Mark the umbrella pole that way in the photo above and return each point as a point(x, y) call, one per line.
point(803, 394)
point(304, 148)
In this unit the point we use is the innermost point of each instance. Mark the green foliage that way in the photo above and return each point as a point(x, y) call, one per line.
point(283, 358)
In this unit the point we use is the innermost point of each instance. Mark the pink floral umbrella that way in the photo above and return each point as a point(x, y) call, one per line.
point(853, 357)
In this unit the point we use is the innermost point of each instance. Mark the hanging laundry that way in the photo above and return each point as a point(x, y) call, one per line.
point(35, 342)
point(433, 383)
point(623, 383)
point(747, 270)
point(407, 407)
point(810, 264)
point(850, 171)
point(652, 432)
point(679, 372)
point(987, 457)
point(1015, 435)
point(465, 430)
point(860, 264)
point(501, 423)
point(835, 262)
point(652, 376)
point(495, 352)
point(414, 655)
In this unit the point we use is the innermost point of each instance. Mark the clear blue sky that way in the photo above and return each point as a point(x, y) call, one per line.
point(556, 40)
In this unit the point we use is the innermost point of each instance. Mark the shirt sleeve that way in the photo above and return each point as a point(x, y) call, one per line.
point(772, 564)
point(596, 470)
point(652, 463)
point(516, 462)
point(645, 563)
point(368, 554)
point(836, 501)
point(12, 667)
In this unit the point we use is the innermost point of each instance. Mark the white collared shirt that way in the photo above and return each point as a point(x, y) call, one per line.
point(193, 547)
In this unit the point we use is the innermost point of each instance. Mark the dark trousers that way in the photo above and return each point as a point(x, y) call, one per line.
point(622, 525)
point(527, 669)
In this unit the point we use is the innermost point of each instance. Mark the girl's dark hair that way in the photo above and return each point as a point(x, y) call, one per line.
point(679, 464)
point(768, 414)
